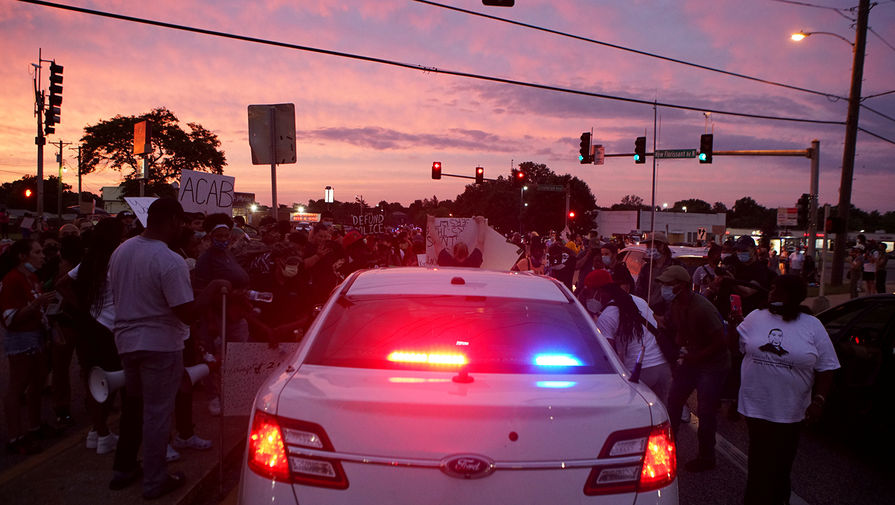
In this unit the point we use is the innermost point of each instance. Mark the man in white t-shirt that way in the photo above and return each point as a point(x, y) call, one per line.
point(154, 306)
point(796, 260)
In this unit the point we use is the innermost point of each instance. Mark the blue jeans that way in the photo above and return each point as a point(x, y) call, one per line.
point(151, 382)
point(708, 384)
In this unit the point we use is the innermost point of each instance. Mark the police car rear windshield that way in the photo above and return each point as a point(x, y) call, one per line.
point(489, 335)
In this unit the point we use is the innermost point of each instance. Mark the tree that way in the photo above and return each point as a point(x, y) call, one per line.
point(719, 208)
point(109, 144)
point(692, 205)
point(13, 194)
point(630, 202)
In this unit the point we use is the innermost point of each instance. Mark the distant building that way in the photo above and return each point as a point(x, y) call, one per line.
point(681, 227)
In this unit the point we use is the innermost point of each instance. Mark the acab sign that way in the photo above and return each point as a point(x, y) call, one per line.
point(205, 192)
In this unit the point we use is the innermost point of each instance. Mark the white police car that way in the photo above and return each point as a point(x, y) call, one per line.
point(456, 386)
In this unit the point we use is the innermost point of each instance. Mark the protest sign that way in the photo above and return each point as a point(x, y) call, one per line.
point(368, 223)
point(246, 366)
point(205, 192)
point(498, 254)
point(140, 206)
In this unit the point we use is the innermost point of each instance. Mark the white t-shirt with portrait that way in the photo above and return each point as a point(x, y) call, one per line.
point(779, 362)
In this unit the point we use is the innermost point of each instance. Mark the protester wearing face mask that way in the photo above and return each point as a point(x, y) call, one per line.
point(608, 260)
point(628, 323)
point(657, 258)
point(23, 304)
point(219, 263)
point(698, 329)
point(291, 305)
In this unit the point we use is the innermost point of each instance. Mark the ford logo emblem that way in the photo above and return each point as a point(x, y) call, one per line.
point(467, 466)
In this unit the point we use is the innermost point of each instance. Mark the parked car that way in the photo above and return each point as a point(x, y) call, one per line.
point(688, 257)
point(863, 333)
point(455, 385)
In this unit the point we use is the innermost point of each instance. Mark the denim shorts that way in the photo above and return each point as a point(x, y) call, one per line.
point(22, 342)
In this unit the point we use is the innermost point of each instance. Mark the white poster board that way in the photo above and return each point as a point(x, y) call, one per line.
point(498, 254)
point(140, 206)
point(205, 192)
point(246, 366)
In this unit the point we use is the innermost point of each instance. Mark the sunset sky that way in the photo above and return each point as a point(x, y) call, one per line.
point(374, 130)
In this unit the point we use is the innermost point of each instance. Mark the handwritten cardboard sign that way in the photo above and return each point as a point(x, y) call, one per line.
point(369, 223)
point(205, 192)
point(246, 366)
point(497, 255)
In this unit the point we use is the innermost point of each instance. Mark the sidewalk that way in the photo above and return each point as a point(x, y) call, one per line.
point(68, 473)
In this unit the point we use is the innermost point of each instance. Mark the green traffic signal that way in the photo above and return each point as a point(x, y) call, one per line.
point(702, 157)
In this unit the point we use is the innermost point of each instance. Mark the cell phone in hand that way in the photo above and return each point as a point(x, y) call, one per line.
point(736, 306)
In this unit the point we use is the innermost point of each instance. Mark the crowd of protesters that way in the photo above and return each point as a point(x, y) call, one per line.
point(73, 291)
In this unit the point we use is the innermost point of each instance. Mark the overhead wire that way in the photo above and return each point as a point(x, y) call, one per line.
point(428, 69)
point(832, 96)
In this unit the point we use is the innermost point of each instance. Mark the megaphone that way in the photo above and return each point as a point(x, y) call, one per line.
point(103, 383)
point(194, 374)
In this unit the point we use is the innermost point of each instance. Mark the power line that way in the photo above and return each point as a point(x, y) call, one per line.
point(631, 50)
point(428, 69)
point(886, 42)
point(653, 55)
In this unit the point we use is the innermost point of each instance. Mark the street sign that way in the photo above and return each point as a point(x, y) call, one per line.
point(599, 155)
point(787, 216)
point(551, 187)
point(700, 233)
point(261, 138)
point(675, 153)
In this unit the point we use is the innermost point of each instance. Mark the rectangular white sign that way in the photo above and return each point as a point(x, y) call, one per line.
point(497, 255)
point(205, 192)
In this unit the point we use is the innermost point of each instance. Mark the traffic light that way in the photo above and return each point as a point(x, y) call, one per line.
point(571, 214)
point(27, 192)
point(499, 3)
point(803, 205)
point(705, 148)
point(479, 175)
point(436, 170)
point(518, 177)
point(640, 150)
point(584, 156)
point(54, 107)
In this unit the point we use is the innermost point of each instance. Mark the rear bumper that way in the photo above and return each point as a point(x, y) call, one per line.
point(397, 485)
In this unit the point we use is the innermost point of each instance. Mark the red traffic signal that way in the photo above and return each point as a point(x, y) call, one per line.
point(28, 193)
point(436, 170)
point(479, 175)
point(571, 214)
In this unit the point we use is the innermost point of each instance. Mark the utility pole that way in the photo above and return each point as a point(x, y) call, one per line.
point(59, 181)
point(40, 140)
point(851, 136)
point(812, 199)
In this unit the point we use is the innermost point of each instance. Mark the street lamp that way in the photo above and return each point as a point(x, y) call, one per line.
point(685, 208)
point(301, 209)
point(851, 136)
point(802, 35)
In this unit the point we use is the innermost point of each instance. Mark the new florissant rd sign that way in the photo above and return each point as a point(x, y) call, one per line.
point(675, 153)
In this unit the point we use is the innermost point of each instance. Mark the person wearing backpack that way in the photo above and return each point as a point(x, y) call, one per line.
point(629, 324)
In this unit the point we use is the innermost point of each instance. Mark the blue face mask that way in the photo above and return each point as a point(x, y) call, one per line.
point(668, 293)
point(220, 244)
point(30, 267)
point(607, 260)
point(653, 254)
point(744, 257)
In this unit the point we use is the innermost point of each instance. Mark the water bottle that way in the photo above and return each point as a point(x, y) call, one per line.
point(260, 296)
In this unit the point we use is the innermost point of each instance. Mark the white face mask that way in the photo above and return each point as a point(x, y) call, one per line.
point(653, 254)
point(607, 260)
point(290, 270)
point(744, 257)
point(594, 306)
point(668, 293)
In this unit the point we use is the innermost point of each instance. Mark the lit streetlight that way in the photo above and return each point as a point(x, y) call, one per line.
point(685, 208)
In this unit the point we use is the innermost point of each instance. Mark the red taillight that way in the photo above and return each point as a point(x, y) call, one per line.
point(660, 460)
point(270, 456)
point(267, 450)
point(656, 468)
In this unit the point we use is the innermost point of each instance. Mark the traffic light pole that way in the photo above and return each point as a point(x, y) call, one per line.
point(40, 140)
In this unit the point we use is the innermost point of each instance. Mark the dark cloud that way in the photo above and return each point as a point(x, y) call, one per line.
point(383, 139)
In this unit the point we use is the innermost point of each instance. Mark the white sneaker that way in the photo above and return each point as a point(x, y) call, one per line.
point(92, 437)
point(106, 444)
point(214, 406)
point(172, 455)
point(194, 442)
